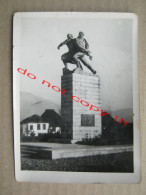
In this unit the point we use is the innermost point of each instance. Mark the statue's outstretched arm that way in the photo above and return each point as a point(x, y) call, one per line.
point(87, 47)
point(86, 44)
point(61, 44)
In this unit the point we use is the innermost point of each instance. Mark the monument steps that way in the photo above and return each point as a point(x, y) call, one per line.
point(58, 151)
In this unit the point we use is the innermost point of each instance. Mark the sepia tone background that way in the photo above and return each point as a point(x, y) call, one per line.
point(8, 184)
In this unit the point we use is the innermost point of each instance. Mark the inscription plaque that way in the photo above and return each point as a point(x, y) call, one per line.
point(88, 120)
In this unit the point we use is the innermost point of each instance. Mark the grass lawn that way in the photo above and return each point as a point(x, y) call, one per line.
point(121, 162)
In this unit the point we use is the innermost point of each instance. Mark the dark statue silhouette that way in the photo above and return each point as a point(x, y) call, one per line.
point(78, 48)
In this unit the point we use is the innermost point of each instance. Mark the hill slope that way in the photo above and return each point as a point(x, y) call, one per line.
point(31, 104)
point(126, 114)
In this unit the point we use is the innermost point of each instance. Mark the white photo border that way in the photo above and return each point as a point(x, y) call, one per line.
point(74, 177)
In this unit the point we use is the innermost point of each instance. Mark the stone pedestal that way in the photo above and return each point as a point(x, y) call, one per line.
point(78, 119)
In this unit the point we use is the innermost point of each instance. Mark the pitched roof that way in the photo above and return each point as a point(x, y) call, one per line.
point(33, 119)
point(49, 116)
point(52, 117)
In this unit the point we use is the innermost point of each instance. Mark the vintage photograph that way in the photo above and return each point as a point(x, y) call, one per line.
point(75, 97)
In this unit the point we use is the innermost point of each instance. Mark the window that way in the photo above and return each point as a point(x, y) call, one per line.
point(38, 126)
point(44, 126)
point(31, 127)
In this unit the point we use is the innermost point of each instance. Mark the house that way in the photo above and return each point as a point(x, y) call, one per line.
point(33, 126)
point(53, 118)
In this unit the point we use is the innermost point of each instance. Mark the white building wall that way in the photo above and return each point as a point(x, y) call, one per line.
point(33, 127)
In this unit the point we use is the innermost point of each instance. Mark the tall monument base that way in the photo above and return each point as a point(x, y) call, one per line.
point(80, 106)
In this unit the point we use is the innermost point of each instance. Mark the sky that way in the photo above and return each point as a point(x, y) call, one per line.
point(110, 42)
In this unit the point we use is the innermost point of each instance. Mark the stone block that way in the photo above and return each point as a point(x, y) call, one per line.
point(86, 87)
